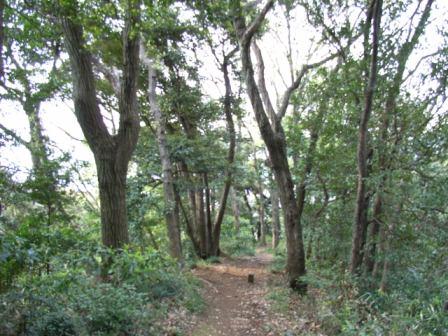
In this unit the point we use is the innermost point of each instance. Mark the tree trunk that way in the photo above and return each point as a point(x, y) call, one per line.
point(362, 198)
point(263, 228)
point(112, 153)
point(171, 205)
point(274, 138)
point(236, 210)
point(230, 155)
point(201, 224)
point(188, 224)
point(112, 187)
point(275, 217)
point(208, 218)
point(389, 110)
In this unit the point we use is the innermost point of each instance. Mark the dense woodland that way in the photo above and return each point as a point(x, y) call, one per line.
point(314, 129)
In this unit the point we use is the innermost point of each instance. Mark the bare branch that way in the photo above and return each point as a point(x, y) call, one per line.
point(262, 82)
point(15, 136)
point(411, 72)
point(287, 95)
point(111, 74)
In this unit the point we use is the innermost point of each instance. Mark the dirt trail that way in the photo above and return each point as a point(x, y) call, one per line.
point(234, 306)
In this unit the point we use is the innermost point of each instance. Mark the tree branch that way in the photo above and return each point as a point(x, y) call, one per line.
point(287, 95)
point(262, 83)
point(15, 136)
point(129, 125)
point(256, 23)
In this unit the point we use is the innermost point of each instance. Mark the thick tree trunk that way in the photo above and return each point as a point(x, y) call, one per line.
point(112, 187)
point(294, 241)
point(362, 199)
point(171, 205)
point(112, 152)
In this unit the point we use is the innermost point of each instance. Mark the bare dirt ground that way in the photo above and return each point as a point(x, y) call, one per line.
point(235, 307)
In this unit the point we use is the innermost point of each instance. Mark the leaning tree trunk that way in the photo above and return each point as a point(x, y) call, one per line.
point(362, 199)
point(171, 205)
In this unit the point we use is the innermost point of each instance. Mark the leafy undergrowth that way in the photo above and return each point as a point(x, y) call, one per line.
point(241, 244)
point(144, 294)
point(337, 304)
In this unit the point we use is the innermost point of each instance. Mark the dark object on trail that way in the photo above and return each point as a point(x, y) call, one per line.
point(445, 307)
point(251, 278)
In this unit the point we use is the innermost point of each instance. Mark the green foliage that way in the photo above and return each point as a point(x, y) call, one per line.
point(357, 310)
point(73, 301)
point(237, 244)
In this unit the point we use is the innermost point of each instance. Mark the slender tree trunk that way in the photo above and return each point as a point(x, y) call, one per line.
point(201, 223)
point(249, 210)
point(230, 155)
point(208, 217)
point(389, 110)
point(191, 213)
point(171, 205)
point(362, 199)
point(188, 224)
point(374, 229)
point(274, 138)
point(275, 217)
point(263, 227)
point(236, 210)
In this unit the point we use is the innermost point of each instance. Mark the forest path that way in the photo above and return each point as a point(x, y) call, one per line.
point(234, 306)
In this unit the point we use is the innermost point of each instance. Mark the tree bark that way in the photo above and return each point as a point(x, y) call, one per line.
point(236, 210)
point(230, 155)
point(261, 216)
point(362, 198)
point(389, 110)
point(112, 153)
point(275, 217)
point(208, 217)
point(201, 223)
point(171, 205)
point(276, 145)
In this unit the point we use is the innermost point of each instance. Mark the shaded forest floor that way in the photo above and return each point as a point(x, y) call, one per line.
point(236, 307)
